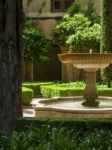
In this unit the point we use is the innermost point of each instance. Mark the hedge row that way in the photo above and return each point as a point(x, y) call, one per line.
point(35, 86)
point(30, 90)
point(27, 95)
point(78, 124)
point(50, 91)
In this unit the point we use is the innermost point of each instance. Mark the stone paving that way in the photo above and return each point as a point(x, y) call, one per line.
point(28, 110)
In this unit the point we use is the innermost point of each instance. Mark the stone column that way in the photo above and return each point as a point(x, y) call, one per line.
point(90, 92)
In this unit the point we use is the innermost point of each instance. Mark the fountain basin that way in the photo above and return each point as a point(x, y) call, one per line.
point(71, 107)
point(90, 63)
point(87, 61)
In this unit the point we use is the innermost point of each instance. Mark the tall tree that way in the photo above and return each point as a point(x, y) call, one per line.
point(11, 24)
point(106, 43)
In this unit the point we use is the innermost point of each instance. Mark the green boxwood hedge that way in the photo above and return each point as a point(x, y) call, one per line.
point(78, 124)
point(27, 95)
point(73, 89)
point(35, 86)
point(53, 91)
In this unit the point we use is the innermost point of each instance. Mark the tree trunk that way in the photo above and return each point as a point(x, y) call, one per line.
point(106, 43)
point(11, 24)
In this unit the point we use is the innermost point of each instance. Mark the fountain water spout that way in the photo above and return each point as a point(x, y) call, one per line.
point(90, 51)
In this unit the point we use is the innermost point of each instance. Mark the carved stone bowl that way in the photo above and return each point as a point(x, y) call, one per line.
point(86, 60)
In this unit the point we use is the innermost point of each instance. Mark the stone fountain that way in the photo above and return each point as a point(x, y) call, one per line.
point(90, 62)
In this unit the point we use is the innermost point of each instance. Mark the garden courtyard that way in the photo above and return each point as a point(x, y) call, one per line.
point(56, 85)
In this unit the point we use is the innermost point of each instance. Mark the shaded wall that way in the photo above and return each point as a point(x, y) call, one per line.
point(49, 70)
point(45, 71)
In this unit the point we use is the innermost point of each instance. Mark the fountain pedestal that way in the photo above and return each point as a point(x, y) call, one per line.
point(90, 92)
point(90, 63)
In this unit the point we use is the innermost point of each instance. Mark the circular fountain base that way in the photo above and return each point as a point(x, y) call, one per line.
point(90, 104)
point(70, 107)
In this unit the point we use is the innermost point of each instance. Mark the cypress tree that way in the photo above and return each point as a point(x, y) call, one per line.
point(106, 42)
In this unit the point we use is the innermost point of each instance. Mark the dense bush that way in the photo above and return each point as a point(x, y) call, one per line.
point(78, 124)
point(88, 11)
point(88, 38)
point(80, 31)
point(35, 86)
point(54, 91)
point(47, 138)
point(27, 95)
point(71, 89)
point(36, 44)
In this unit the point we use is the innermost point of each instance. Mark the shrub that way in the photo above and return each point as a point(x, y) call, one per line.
point(79, 30)
point(68, 26)
point(105, 91)
point(71, 89)
point(54, 91)
point(27, 95)
point(35, 86)
point(74, 9)
point(51, 138)
point(78, 124)
point(88, 11)
point(88, 38)
point(36, 44)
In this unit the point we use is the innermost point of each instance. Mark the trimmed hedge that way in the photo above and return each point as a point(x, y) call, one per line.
point(53, 91)
point(77, 124)
point(35, 86)
point(105, 91)
point(27, 95)
point(73, 89)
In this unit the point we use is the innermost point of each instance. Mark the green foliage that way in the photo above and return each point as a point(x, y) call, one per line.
point(52, 89)
point(106, 42)
point(35, 86)
point(80, 29)
point(44, 138)
point(78, 124)
point(50, 138)
point(64, 89)
point(90, 12)
point(74, 9)
point(88, 37)
point(68, 26)
point(27, 95)
point(71, 89)
point(36, 44)
point(107, 75)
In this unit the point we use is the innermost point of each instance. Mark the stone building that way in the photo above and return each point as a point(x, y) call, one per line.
point(51, 11)
point(45, 13)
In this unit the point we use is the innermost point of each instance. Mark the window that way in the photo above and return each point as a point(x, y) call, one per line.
point(60, 5)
